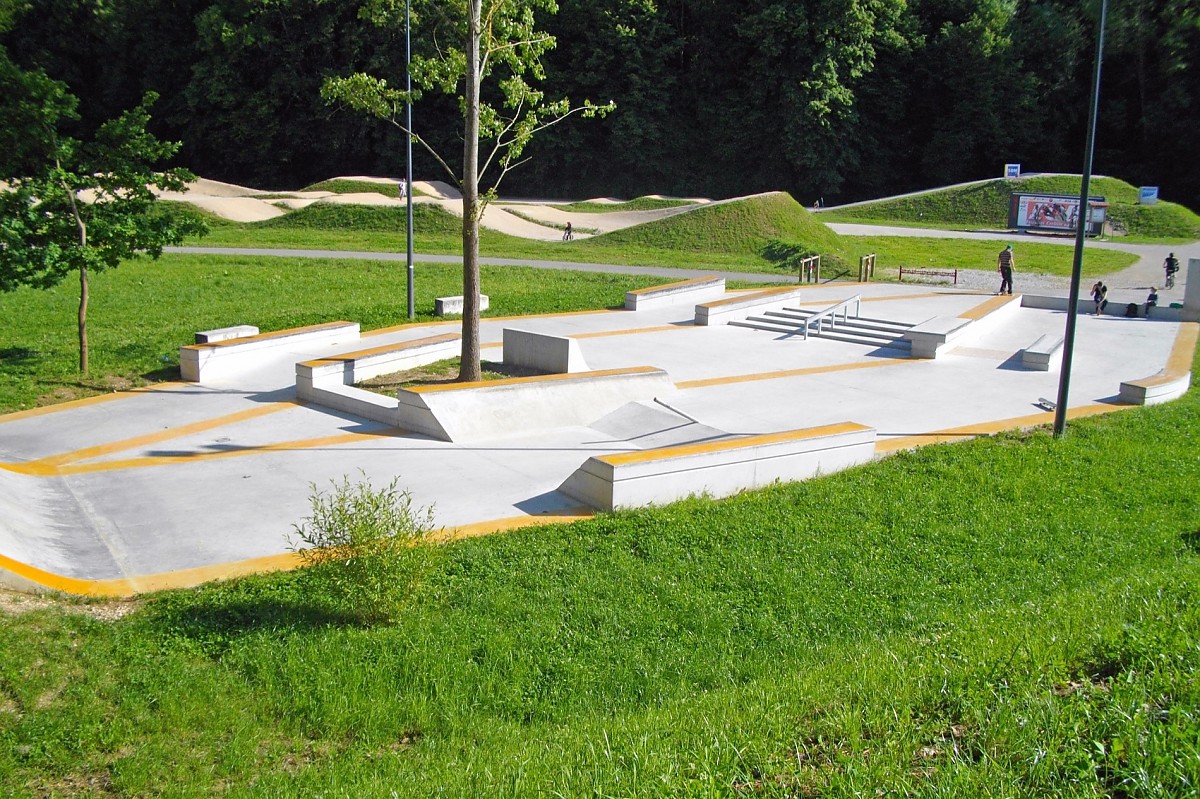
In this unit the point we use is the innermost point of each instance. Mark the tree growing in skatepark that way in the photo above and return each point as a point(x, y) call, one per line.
point(70, 206)
point(500, 54)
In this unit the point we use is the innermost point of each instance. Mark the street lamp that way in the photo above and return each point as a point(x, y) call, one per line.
point(1064, 377)
point(408, 177)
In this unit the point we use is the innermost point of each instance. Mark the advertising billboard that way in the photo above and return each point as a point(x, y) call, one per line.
point(1054, 213)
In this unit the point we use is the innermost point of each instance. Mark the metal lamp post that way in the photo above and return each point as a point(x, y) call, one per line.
point(408, 177)
point(1064, 379)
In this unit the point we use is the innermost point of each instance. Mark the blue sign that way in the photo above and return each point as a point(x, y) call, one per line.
point(1147, 195)
point(1012, 170)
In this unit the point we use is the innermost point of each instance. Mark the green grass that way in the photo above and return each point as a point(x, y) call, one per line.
point(342, 186)
point(986, 206)
point(1015, 616)
point(726, 237)
point(141, 313)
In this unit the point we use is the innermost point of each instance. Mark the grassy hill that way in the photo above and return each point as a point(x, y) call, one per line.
point(985, 206)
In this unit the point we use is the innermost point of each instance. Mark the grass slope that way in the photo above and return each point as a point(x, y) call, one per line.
point(1017, 616)
point(986, 206)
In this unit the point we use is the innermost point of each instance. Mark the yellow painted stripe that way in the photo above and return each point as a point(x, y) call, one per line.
point(633, 331)
point(100, 450)
point(85, 401)
point(458, 322)
point(1179, 362)
point(384, 349)
point(525, 381)
point(783, 373)
point(884, 445)
point(764, 294)
point(684, 450)
point(187, 578)
point(190, 458)
point(268, 336)
point(667, 287)
point(988, 306)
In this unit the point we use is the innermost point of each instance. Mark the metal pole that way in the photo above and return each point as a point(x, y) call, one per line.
point(1064, 377)
point(408, 177)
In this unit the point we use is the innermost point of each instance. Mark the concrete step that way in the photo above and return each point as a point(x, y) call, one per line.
point(890, 337)
point(857, 322)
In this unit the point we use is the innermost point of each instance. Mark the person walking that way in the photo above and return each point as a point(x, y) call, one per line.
point(1004, 265)
point(568, 233)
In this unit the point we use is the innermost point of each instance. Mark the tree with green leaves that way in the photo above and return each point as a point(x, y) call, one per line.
point(491, 73)
point(69, 206)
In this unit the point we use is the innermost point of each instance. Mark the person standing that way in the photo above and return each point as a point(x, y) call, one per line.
point(568, 233)
point(402, 192)
point(1151, 301)
point(1004, 265)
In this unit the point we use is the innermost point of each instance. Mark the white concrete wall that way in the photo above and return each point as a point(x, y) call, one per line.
point(718, 469)
point(685, 291)
point(542, 352)
point(202, 362)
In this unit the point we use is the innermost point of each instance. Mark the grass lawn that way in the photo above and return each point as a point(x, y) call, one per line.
point(142, 312)
point(1014, 616)
point(722, 238)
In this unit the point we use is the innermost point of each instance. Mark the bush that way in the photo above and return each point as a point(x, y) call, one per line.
point(365, 549)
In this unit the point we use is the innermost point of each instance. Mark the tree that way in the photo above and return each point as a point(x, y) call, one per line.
point(70, 206)
point(501, 53)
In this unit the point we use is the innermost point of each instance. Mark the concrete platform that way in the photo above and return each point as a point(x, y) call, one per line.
point(181, 483)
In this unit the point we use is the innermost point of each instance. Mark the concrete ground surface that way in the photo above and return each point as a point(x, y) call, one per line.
point(180, 483)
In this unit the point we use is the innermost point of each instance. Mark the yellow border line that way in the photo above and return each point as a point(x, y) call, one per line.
point(886, 445)
point(988, 306)
point(383, 349)
point(394, 328)
point(122, 587)
point(1179, 362)
point(534, 380)
point(725, 445)
point(809, 370)
point(633, 331)
point(666, 287)
point(94, 400)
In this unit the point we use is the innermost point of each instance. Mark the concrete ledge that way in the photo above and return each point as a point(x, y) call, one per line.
point(929, 338)
point(199, 362)
point(698, 289)
point(1037, 355)
point(1088, 307)
point(443, 306)
point(225, 333)
point(721, 312)
point(1172, 381)
point(353, 367)
point(720, 468)
point(542, 352)
point(462, 412)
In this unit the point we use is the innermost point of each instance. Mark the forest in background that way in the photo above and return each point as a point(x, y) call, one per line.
point(832, 99)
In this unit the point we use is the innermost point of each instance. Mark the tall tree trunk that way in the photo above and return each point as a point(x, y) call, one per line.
point(469, 370)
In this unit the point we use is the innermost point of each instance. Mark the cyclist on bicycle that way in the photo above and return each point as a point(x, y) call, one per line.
point(1170, 266)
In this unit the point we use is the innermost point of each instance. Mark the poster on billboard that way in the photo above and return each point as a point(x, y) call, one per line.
point(1147, 195)
point(1054, 213)
point(1012, 170)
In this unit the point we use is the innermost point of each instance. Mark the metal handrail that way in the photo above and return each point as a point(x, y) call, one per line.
point(830, 313)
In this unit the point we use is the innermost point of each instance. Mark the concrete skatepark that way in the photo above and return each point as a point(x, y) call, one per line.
point(690, 390)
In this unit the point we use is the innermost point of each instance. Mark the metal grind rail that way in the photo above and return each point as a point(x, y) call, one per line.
point(831, 313)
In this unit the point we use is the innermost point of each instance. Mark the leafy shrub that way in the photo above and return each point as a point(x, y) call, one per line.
point(366, 549)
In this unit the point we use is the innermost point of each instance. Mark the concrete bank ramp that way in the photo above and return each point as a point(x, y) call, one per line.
point(650, 425)
point(43, 525)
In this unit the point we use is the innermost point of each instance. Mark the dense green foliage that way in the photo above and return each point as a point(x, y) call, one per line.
point(833, 99)
point(960, 620)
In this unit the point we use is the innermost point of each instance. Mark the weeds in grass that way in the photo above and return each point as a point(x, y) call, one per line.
point(364, 548)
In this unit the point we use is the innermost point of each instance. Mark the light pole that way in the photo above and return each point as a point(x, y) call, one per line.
point(408, 177)
point(1064, 377)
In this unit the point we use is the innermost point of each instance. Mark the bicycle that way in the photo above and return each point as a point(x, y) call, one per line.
point(1170, 280)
